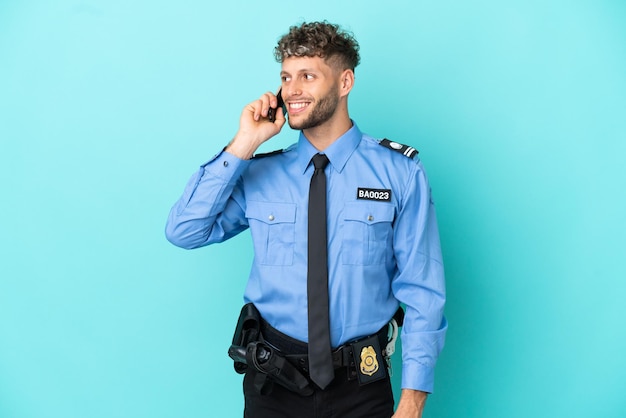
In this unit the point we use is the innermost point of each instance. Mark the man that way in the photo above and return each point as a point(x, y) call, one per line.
point(380, 242)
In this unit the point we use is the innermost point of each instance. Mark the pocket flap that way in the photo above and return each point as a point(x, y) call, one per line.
point(369, 213)
point(271, 212)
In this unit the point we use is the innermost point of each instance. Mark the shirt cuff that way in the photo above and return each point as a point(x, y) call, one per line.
point(417, 376)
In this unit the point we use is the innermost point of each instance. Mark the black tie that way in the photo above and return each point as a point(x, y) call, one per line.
point(320, 356)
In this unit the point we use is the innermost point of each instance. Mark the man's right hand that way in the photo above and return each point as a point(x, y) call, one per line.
point(254, 126)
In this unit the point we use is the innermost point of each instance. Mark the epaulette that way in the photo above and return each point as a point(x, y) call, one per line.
point(268, 154)
point(401, 148)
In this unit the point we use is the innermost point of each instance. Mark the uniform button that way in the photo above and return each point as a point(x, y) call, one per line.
point(225, 163)
point(271, 217)
point(370, 218)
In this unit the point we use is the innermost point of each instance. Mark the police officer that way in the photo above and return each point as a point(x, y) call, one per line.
point(382, 243)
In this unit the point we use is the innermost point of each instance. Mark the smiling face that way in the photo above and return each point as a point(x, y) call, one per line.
point(311, 91)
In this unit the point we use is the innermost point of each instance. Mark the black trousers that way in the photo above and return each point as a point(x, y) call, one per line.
point(343, 398)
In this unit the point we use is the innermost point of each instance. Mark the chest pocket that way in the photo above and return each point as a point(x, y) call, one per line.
point(367, 233)
point(273, 228)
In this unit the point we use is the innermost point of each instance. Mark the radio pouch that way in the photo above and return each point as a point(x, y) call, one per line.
point(247, 331)
point(248, 350)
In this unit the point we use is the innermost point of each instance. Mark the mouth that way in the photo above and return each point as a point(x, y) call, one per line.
point(297, 107)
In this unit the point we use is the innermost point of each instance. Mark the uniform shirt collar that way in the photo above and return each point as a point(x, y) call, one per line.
point(338, 152)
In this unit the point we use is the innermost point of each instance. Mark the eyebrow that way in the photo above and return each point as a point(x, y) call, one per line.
point(303, 70)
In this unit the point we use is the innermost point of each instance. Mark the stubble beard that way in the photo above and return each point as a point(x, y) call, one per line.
point(323, 110)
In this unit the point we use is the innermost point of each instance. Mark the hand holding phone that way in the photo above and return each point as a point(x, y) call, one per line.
point(254, 128)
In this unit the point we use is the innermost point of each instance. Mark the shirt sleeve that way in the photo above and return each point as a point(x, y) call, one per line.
point(419, 283)
point(212, 207)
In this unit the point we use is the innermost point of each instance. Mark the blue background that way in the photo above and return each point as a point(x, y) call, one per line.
point(107, 107)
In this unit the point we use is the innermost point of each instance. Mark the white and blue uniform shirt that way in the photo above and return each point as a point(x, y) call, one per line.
point(383, 241)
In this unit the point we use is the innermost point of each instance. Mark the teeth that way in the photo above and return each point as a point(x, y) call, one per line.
point(297, 105)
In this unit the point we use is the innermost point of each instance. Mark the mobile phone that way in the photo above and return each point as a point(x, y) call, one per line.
point(271, 114)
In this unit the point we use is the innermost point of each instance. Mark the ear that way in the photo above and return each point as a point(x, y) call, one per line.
point(346, 82)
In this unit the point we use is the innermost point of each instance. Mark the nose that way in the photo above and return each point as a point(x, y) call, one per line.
point(293, 89)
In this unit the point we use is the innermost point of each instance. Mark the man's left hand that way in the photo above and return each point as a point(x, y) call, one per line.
point(411, 404)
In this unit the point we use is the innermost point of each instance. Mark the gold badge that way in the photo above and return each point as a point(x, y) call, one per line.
point(369, 363)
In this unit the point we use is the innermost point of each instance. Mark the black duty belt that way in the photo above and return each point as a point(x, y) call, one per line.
point(280, 358)
point(296, 351)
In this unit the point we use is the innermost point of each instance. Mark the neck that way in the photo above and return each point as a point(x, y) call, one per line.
point(322, 136)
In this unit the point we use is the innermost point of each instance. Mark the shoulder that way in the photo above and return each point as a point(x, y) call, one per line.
point(268, 154)
point(406, 150)
point(273, 154)
point(267, 162)
point(392, 150)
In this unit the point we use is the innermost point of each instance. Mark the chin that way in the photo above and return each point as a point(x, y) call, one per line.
point(296, 124)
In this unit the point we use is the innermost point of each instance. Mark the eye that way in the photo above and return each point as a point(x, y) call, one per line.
point(309, 76)
point(285, 78)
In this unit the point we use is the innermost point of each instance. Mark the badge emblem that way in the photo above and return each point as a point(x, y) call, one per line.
point(369, 363)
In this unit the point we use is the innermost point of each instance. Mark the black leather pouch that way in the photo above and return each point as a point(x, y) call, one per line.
point(369, 361)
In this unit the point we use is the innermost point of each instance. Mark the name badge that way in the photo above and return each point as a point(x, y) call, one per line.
point(381, 195)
